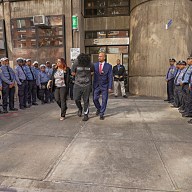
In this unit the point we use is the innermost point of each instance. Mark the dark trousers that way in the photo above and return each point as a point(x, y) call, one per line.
point(32, 91)
point(22, 94)
point(185, 96)
point(189, 106)
point(71, 86)
point(96, 95)
point(170, 90)
point(178, 96)
point(8, 93)
point(83, 92)
point(61, 99)
point(44, 93)
point(50, 96)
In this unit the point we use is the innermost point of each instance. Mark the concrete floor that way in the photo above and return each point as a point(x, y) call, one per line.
point(143, 145)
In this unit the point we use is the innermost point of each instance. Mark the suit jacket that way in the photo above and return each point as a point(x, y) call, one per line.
point(119, 74)
point(105, 79)
point(66, 78)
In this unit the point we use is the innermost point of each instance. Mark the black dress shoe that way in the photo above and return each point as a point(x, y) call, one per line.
point(190, 121)
point(166, 100)
point(97, 112)
point(34, 104)
point(79, 112)
point(125, 96)
point(13, 109)
point(22, 108)
point(5, 111)
point(102, 117)
point(85, 118)
point(187, 115)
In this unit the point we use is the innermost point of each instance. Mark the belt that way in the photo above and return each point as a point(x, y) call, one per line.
point(22, 80)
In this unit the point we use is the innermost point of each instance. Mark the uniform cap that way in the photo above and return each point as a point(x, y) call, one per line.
point(47, 62)
point(182, 62)
point(35, 62)
point(172, 59)
point(5, 58)
point(42, 65)
point(2, 59)
point(19, 59)
point(28, 60)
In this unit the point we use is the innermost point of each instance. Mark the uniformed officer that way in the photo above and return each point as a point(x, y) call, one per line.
point(49, 71)
point(1, 90)
point(187, 100)
point(9, 80)
point(37, 71)
point(178, 84)
point(23, 88)
point(185, 87)
point(119, 77)
point(43, 80)
point(32, 84)
point(170, 80)
point(82, 69)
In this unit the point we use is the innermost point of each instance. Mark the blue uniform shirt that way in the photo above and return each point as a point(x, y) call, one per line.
point(0, 82)
point(171, 73)
point(30, 73)
point(49, 72)
point(43, 77)
point(187, 74)
point(8, 75)
point(20, 72)
point(179, 76)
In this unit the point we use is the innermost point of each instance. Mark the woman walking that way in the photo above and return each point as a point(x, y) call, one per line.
point(59, 84)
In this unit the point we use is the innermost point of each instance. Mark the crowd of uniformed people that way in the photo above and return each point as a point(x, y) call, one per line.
point(179, 86)
point(57, 81)
point(31, 80)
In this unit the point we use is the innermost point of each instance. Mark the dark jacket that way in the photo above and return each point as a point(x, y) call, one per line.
point(119, 75)
point(67, 74)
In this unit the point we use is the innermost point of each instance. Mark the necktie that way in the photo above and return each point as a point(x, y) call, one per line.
point(100, 68)
point(168, 73)
point(32, 73)
point(23, 71)
point(9, 73)
point(185, 73)
point(177, 77)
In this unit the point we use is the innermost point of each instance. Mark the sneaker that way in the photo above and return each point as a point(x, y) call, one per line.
point(62, 118)
point(85, 118)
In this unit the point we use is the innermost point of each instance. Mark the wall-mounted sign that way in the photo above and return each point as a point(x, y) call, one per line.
point(169, 24)
point(74, 22)
point(111, 41)
point(74, 53)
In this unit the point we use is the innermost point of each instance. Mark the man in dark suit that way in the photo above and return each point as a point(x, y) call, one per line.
point(119, 77)
point(102, 84)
